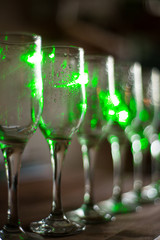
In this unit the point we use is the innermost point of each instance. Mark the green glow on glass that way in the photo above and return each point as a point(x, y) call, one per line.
point(82, 83)
point(112, 139)
point(139, 143)
point(1, 50)
point(95, 78)
point(50, 143)
point(32, 56)
point(109, 115)
point(112, 100)
point(84, 79)
point(111, 112)
point(115, 100)
point(123, 116)
point(74, 76)
point(93, 122)
point(1, 137)
point(64, 64)
point(119, 207)
point(144, 143)
point(33, 59)
point(94, 98)
point(82, 107)
point(33, 114)
point(27, 56)
point(33, 85)
point(2, 146)
point(132, 105)
point(71, 116)
point(45, 128)
point(114, 108)
point(86, 75)
point(52, 54)
point(76, 79)
point(6, 38)
point(143, 115)
point(47, 132)
point(2, 54)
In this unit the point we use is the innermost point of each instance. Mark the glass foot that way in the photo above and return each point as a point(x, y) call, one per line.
point(51, 226)
point(89, 214)
point(4, 235)
point(134, 199)
point(150, 194)
point(117, 207)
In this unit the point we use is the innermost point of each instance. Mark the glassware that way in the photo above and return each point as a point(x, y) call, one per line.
point(151, 192)
point(21, 105)
point(119, 110)
point(64, 108)
point(142, 91)
point(89, 136)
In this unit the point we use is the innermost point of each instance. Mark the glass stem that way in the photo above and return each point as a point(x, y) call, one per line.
point(88, 155)
point(117, 150)
point(57, 153)
point(155, 164)
point(154, 146)
point(137, 171)
point(12, 158)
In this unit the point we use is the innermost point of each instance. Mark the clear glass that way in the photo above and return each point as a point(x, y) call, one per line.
point(119, 110)
point(151, 192)
point(143, 93)
point(64, 109)
point(89, 135)
point(20, 109)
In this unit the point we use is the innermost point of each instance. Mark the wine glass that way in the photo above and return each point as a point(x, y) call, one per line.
point(21, 105)
point(142, 92)
point(119, 109)
point(64, 109)
point(151, 192)
point(89, 135)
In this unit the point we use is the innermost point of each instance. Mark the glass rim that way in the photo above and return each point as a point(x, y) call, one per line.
point(61, 46)
point(98, 56)
point(33, 37)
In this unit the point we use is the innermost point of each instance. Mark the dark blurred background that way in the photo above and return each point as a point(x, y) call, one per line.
point(128, 29)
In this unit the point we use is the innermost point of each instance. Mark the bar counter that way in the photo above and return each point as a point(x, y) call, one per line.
point(35, 198)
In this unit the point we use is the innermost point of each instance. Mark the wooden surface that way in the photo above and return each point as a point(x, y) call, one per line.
point(35, 203)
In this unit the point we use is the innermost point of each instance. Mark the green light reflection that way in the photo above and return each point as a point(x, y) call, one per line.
point(52, 54)
point(2, 53)
point(144, 115)
point(64, 64)
point(33, 58)
point(144, 143)
point(114, 108)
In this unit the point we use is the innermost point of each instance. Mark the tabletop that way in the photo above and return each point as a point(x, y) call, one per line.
point(35, 203)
